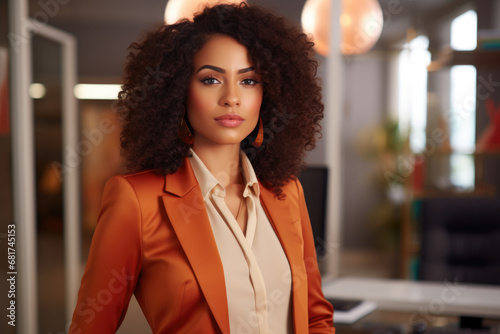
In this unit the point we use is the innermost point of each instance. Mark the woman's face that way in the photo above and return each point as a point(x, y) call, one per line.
point(224, 94)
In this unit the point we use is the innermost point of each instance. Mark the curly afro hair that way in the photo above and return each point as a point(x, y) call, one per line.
point(153, 97)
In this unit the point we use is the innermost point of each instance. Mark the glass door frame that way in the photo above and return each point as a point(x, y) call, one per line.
point(21, 28)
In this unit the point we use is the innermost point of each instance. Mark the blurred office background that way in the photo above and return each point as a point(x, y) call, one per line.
point(420, 141)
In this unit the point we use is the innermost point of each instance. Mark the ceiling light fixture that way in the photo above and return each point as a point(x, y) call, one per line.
point(180, 9)
point(361, 22)
point(96, 91)
point(37, 90)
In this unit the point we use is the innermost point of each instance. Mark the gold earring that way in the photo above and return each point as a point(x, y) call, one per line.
point(260, 135)
point(185, 133)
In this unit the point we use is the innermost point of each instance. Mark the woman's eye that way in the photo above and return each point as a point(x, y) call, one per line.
point(209, 81)
point(249, 82)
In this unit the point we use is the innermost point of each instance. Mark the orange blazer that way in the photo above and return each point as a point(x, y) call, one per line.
point(154, 239)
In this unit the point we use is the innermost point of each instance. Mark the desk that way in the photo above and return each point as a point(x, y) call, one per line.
point(433, 298)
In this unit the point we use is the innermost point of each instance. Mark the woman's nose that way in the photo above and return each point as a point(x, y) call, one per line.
point(230, 96)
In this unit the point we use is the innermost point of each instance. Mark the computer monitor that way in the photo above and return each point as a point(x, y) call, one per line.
point(314, 180)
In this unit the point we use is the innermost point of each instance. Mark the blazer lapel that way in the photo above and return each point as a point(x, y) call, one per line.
point(188, 216)
point(288, 230)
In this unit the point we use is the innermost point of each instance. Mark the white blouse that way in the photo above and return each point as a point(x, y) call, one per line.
point(256, 271)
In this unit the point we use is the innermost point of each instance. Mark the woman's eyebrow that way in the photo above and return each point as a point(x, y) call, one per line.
point(245, 70)
point(221, 70)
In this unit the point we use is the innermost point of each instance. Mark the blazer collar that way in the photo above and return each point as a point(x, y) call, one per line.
point(187, 213)
point(284, 217)
point(182, 181)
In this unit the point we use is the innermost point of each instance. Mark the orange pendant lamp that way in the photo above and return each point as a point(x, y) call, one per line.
point(361, 22)
point(180, 9)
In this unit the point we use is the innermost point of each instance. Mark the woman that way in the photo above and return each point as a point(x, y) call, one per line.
point(211, 231)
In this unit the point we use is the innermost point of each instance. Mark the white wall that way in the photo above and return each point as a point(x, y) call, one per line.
point(365, 91)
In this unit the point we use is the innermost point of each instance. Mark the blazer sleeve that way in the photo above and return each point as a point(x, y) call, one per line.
point(320, 310)
point(114, 262)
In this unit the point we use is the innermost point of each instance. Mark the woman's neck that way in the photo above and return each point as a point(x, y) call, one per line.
point(223, 161)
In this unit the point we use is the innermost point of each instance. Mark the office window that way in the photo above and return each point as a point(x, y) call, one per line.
point(412, 99)
point(464, 31)
point(463, 103)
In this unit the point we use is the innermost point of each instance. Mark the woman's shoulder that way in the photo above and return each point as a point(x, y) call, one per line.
point(145, 175)
point(291, 189)
point(149, 181)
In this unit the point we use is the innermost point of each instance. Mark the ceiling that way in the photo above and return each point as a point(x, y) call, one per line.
point(105, 28)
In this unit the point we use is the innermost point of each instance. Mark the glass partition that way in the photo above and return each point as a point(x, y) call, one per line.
point(6, 212)
point(47, 104)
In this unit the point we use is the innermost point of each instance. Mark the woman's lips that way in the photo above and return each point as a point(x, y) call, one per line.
point(229, 120)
